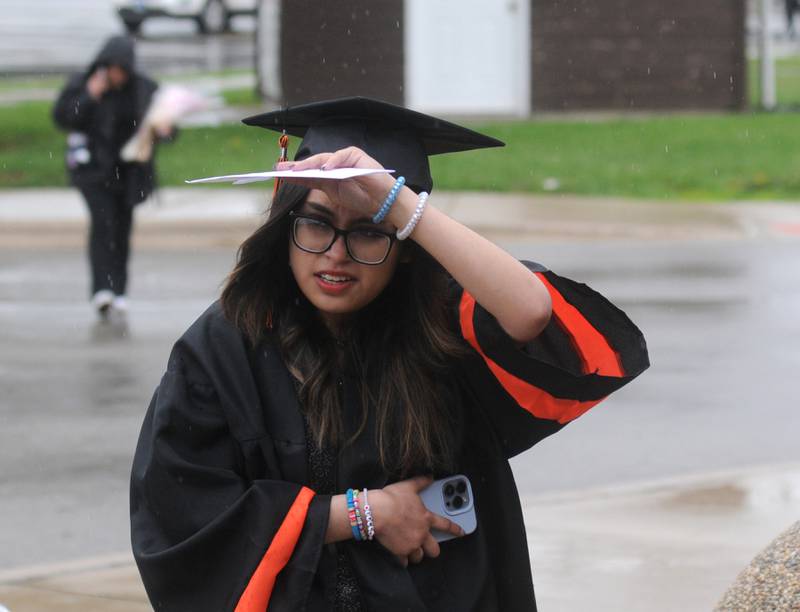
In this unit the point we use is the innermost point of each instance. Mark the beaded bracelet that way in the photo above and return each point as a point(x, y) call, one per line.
point(387, 203)
point(412, 223)
point(361, 529)
point(368, 517)
point(351, 514)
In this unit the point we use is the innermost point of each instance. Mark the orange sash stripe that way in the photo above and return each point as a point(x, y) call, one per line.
point(259, 590)
point(595, 351)
point(538, 402)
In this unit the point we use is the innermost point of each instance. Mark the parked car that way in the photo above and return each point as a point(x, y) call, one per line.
point(209, 15)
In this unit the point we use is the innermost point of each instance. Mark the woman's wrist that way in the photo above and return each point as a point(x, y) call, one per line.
point(403, 208)
point(389, 201)
point(339, 524)
point(378, 502)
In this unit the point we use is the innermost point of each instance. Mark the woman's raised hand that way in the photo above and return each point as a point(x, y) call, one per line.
point(402, 522)
point(363, 194)
point(97, 84)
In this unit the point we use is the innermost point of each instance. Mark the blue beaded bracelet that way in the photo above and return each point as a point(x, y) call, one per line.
point(387, 203)
point(351, 509)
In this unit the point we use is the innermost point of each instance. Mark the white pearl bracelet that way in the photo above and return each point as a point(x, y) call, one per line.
point(412, 222)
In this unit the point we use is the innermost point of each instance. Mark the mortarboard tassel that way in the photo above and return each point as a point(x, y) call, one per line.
point(283, 142)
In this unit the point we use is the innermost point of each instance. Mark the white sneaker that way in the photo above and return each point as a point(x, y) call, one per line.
point(120, 303)
point(102, 301)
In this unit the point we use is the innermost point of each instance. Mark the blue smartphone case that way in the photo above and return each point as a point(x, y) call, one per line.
point(451, 498)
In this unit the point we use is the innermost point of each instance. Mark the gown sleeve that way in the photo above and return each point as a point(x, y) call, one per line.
point(588, 350)
point(74, 106)
point(206, 536)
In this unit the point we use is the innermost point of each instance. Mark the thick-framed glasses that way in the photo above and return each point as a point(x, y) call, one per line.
point(364, 245)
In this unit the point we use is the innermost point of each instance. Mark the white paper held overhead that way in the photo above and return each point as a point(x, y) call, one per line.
point(338, 174)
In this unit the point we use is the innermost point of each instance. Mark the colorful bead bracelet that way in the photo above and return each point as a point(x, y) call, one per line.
point(360, 516)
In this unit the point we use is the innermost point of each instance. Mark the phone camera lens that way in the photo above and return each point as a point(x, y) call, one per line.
point(461, 487)
point(449, 490)
point(458, 502)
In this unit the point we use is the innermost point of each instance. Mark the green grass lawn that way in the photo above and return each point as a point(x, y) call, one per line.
point(708, 157)
point(31, 150)
point(712, 157)
point(241, 96)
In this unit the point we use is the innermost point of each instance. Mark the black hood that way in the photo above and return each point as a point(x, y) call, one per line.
point(117, 51)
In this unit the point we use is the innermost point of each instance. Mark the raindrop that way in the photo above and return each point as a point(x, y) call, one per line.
point(715, 75)
point(666, 148)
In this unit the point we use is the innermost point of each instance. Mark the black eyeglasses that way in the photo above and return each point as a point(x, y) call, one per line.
point(366, 246)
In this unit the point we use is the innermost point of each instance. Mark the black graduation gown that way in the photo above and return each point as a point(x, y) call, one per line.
point(221, 514)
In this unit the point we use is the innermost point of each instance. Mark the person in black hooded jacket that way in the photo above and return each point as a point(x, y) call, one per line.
point(100, 109)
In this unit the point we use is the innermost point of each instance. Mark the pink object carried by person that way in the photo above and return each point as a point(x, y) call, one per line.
point(170, 104)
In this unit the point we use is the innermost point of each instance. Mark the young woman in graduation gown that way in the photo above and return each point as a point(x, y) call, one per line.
point(340, 357)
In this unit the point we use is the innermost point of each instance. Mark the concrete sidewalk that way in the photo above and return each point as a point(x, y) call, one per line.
point(200, 216)
point(659, 546)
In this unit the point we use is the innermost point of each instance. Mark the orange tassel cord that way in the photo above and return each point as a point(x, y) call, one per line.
point(283, 142)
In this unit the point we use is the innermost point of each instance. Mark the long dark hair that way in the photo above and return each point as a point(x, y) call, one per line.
point(400, 346)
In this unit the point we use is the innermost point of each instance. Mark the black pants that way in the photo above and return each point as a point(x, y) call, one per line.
point(109, 237)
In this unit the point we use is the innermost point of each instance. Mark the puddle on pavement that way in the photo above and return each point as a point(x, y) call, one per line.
point(748, 494)
point(731, 496)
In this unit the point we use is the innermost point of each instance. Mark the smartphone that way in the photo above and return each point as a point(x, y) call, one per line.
point(452, 498)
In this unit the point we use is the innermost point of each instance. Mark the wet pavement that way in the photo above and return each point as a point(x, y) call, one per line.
point(663, 546)
point(715, 288)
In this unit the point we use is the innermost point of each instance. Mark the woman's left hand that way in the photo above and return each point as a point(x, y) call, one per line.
point(363, 194)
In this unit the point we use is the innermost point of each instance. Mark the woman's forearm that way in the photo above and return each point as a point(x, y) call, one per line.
point(498, 282)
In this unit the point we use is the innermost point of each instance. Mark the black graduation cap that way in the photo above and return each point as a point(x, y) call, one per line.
point(399, 138)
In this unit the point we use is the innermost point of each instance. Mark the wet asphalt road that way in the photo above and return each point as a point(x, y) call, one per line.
point(720, 318)
point(61, 36)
